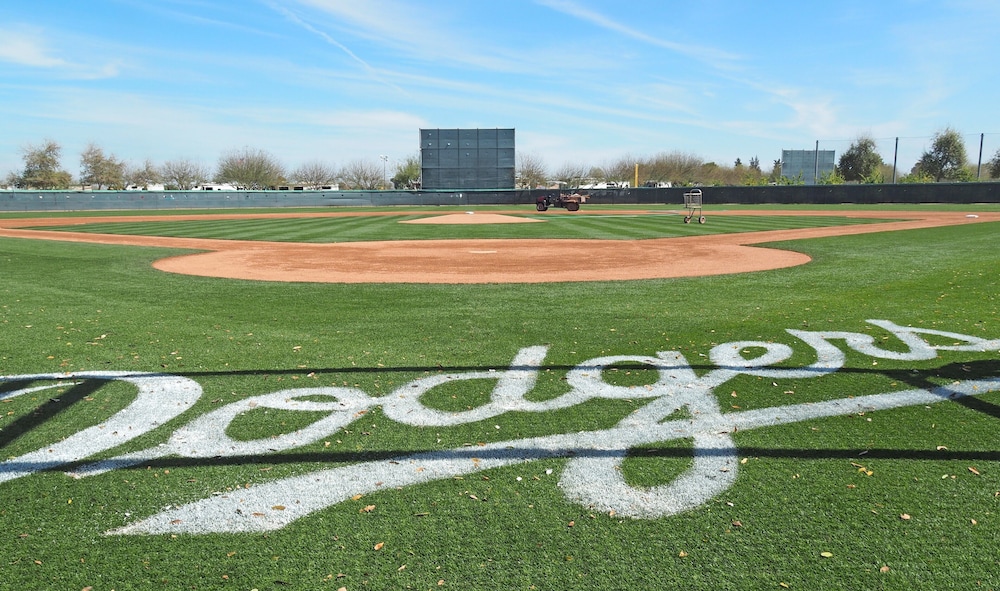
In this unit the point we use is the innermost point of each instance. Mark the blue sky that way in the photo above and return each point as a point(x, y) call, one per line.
point(582, 81)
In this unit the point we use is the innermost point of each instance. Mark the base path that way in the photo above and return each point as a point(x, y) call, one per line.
point(488, 260)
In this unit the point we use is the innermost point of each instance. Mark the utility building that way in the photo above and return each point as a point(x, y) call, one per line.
point(467, 158)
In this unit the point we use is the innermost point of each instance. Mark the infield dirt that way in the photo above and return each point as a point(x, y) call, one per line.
point(469, 261)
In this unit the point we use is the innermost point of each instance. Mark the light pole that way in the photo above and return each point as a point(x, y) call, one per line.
point(385, 161)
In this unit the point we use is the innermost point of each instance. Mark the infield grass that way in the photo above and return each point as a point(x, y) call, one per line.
point(896, 499)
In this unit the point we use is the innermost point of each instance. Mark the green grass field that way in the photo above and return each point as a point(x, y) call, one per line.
point(524, 470)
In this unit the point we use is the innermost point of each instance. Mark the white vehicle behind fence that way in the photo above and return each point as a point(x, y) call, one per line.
point(215, 187)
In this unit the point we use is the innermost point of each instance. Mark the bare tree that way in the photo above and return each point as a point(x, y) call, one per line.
point(42, 169)
point(676, 167)
point(361, 174)
point(621, 171)
point(99, 170)
point(143, 176)
point(314, 175)
point(531, 172)
point(597, 173)
point(250, 168)
point(183, 175)
point(571, 175)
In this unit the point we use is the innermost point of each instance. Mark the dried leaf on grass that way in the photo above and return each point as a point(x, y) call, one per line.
point(862, 469)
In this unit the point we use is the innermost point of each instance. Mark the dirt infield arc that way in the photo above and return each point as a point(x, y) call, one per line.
point(483, 260)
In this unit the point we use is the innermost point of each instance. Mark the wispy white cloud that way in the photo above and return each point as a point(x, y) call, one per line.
point(417, 35)
point(26, 48)
point(384, 19)
point(716, 57)
point(409, 30)
point(197, 13)
point(294, 18)
point(30, 47)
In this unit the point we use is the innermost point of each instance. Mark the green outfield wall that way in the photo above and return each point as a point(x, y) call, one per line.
point(958, 193)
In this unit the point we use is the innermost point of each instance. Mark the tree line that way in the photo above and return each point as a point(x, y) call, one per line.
point(255, 169)
point(945, 161)
point(245, 168)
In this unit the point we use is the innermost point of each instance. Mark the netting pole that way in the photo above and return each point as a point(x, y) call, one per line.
point(979, 167)
point(895, 158)
point(816, 165)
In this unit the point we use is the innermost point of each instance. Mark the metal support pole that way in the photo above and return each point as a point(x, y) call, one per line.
point(979, 168)
point(895, 158)
point(816, 165)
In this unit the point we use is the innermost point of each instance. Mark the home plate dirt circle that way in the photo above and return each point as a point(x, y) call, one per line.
point(478, 261)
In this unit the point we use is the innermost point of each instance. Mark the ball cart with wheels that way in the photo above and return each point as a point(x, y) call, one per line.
point(692, 203)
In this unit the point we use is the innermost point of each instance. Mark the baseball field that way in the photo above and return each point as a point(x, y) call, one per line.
point(492, 398)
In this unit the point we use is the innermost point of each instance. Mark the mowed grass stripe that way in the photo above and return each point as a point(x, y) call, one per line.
point(615, 228)
point(358, 229)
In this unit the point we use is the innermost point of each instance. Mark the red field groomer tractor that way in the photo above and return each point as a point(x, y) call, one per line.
point(570, 202)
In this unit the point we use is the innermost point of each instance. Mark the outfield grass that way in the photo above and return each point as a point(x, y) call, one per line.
point(895, 499)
